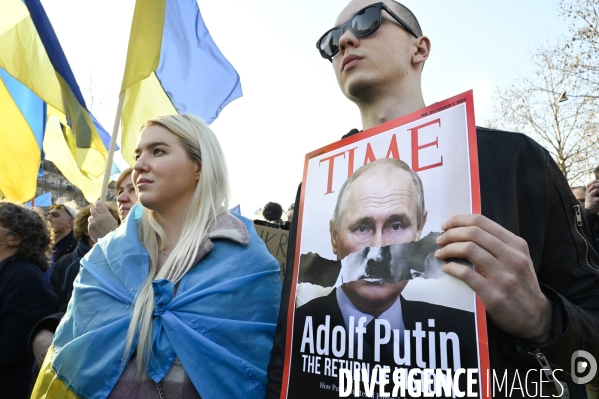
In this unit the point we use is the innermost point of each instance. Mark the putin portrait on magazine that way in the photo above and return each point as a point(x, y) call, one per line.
point(375, 233)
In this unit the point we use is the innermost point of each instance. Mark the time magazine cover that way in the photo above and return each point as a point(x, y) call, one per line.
point(369, 292)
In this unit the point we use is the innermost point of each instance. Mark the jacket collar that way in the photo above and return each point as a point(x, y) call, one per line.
point(225, 226)
point(5, 262)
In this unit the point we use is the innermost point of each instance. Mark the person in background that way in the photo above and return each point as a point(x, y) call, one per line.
point(126, 194)
point(100, 221)
point(61, 217)
point(272, 212)
point(67, 267)
point(580, 193)
point(26, 242)
point(181, 301)
point(290, 212)
point(591, 209)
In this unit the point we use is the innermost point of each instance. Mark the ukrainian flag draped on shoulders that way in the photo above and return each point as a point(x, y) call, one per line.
point(173, 66)
point(36, 82)
point(220, 324)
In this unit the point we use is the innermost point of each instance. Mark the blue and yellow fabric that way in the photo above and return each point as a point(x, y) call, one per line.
point(22, 120)
point(31, 55)
point(173, 66)
point(220, 324)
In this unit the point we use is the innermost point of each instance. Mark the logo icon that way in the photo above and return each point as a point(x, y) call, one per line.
point(583, 367)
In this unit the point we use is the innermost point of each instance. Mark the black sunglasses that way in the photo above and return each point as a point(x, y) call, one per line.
point(363, 23)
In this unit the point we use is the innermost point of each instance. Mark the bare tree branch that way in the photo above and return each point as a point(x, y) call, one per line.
point(568, 130)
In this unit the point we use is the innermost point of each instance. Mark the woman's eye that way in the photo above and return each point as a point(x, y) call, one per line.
point(158, 151)
point(136, 157)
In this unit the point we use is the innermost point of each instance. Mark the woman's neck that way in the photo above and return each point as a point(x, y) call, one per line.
point(172, 227)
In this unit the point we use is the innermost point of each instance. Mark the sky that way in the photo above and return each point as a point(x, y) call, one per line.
point(292, 104)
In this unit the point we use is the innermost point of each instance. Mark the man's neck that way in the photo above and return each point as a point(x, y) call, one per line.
point(390, 107)
point(61, 235)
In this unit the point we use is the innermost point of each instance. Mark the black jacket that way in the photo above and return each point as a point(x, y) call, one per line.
point(25, 299)
point(523, 190)
point(60, 279)
point(593, 221)
point(65, 246)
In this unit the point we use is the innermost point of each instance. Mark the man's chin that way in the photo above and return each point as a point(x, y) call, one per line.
point(358, 87)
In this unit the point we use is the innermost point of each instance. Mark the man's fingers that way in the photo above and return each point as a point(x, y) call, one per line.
point(592, 185)
point(99, 207)
point(487, 225)
point(473, 234)
point(471, 277)
point(471, 252)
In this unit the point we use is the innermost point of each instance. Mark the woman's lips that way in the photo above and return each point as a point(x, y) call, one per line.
point(143, 182)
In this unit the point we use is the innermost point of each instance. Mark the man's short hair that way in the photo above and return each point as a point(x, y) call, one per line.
point(418, 189)
point(272, 212)
point(408, 17)
point(583, 188)
point(71, 211)
point(596, 172)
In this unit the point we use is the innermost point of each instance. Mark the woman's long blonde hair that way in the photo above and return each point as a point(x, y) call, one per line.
point(211, 198)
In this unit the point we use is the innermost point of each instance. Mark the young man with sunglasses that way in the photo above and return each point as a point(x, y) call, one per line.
point(536, 276)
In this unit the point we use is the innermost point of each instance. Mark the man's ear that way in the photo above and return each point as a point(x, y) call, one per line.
point(423, 223)
point(422, 50)
point(333, 235)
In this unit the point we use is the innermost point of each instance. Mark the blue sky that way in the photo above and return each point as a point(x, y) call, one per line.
point(291, 102)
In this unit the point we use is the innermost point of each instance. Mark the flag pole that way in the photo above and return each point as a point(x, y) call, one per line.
point(115, 133)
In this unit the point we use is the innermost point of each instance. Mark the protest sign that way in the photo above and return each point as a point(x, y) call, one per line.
point(276, 241)
point(368, 293)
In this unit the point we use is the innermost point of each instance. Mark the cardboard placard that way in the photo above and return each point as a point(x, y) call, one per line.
point(276, 241)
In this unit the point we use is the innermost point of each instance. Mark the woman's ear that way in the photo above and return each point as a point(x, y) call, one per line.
point(198, 170)
point(13, 240)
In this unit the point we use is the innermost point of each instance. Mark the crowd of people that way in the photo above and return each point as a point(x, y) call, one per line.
point(272, 212)
point(588, 198)
point(167, 294)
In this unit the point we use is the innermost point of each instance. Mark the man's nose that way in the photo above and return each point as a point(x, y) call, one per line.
point(377, 240)
point(346, 40)
point(377, 254)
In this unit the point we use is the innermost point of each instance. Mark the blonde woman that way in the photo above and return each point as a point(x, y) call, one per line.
point(180, 301)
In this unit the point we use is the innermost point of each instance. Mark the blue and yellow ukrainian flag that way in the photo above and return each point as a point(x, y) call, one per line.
point(22, 120)
point(173, 66)
point(41, 108)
